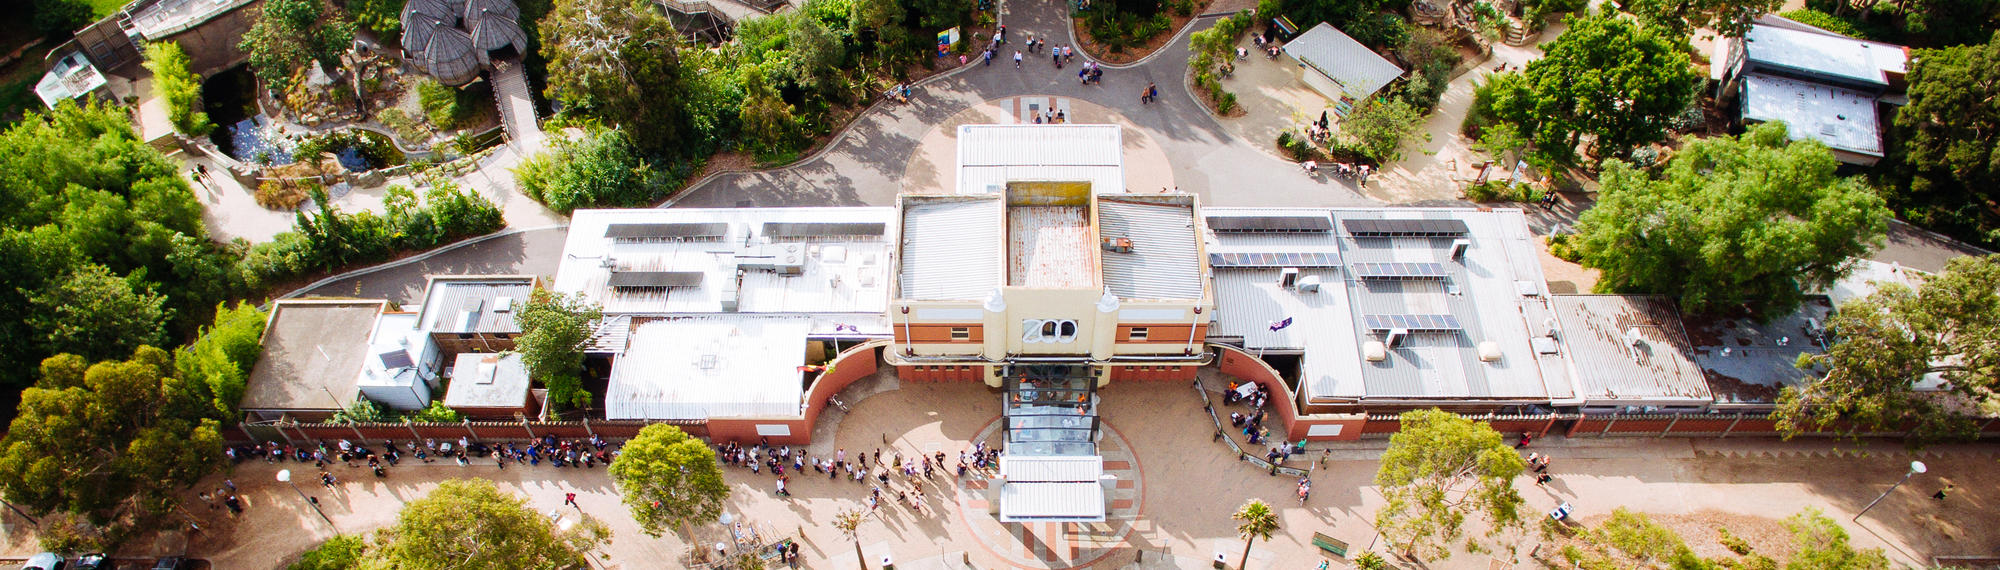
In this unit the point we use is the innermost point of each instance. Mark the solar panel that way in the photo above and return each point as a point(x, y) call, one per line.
point(1252, 224)
point(395, 359)
point(655, 278)
point(1403, 228)
point(667, 230)
point(1292, 259)
point(1412, 323)
point(822, 229)
point(1399, 271)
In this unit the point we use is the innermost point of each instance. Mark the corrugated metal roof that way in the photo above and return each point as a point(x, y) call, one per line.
point(1826, 54)
point(1031, 469)
point(1659, 370)
point(989, 156)
point(453, 299)
point(1353, 66)
point(835, 276)
point(1165, 262)
point(1050, 246)
point(1839, 118)
point(1052, 502)
point(951, 249)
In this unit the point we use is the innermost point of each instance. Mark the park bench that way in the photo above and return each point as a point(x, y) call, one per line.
point(1330, 544)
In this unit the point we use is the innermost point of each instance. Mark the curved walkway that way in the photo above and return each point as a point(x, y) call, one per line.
point(865, 166)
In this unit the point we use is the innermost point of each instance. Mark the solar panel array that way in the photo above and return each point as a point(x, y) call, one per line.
point(1399, 271)
point(1403, 228)
point(822, 229)
point(1259, 224)
point(667, 231)
point(655, 278)
point(1295, 259)
point(1413, 323)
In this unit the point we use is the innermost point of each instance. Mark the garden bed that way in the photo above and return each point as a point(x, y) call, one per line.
point(1098, 50)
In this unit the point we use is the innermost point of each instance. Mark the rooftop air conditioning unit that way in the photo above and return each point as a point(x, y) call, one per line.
point(1458, 248)
point(1375, 351)
point(1309, 284)
point(1395, 337)
point(1288, 278)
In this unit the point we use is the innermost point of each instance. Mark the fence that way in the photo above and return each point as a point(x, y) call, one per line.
point(299, 433)
point(1260, 462)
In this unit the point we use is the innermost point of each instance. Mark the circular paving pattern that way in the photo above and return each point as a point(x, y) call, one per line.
point(1057, 545)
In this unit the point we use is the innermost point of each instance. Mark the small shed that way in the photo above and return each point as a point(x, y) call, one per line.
point(491, 386)
point(1340, 68)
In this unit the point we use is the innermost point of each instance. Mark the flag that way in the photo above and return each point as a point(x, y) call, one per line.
point(1280, 325)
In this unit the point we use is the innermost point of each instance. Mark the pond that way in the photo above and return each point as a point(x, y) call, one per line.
point(230, 98)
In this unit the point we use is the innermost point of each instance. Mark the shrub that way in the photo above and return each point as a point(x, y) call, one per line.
point(1825, 21)
point(436, 413)
point(1225, 102)
point(1297, 147)
point(1645, 157)
point(383, 16)
point(1503, 191)
point(445, 107)
point(1563, 247)
point(179, 86)
point(1118, 30)
point(1378, 128)
point(282, 194)
point(600, 169)
point(338, 553)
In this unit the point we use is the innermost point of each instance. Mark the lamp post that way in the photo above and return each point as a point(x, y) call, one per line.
point(285, 476)
point(1915, 468)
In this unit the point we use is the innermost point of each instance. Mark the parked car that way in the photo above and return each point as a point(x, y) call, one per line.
point(46, 561)
point(92, 561)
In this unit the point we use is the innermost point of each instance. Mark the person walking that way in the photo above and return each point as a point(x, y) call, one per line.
point(1017, 59)
point(569, 500)
point(1943, 492)
point(988, 56)
point(1152, 92)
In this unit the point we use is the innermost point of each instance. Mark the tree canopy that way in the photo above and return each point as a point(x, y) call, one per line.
point(1947, 137)
point(600, 168)
point(290, 34)
point(1681, 17)
point(89, 437)
point(1439, 468)
point(554, 327)
point(1605, 81)
point(1886, 344)
point(617, 61)
point(1754, 220)
point(669, 479)
point(1254, 520)
point(180, 86)
point(470, 523)
point(102, 247)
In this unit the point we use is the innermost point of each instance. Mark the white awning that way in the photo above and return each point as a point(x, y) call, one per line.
point(1052, 502)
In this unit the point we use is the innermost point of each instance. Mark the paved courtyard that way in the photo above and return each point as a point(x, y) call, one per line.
point(1174, 510)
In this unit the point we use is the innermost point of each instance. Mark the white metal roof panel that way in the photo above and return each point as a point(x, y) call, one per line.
point(989, 156)
point(1165, 262)
point(1826, 54)
point(836, 275)
point(1358, 70)
point(951, 249)
point(1052, 502)
point(1838, 118)
point(1052, 469)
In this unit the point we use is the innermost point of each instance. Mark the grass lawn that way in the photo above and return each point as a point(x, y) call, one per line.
point(102, 8)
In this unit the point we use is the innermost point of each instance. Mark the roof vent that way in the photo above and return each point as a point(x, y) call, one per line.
point(1288, 277)
point(1458, 247)
point(1374, 351)
point(1395, 337)
point(1489, 351)
point(503, 304)
point(1309, 284)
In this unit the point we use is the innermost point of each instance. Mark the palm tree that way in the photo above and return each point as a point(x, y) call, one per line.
point(849, 522)
point(1258, 522)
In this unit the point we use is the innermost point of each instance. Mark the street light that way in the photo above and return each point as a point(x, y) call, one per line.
point(285, 476)
point(1915, 468)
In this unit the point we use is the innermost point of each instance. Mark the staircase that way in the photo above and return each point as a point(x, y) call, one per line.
point(1518, 34)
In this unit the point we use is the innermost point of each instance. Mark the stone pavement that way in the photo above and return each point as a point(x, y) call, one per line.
point(1190, 485)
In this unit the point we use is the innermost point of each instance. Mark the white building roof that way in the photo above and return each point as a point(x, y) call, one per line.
point(488, 381)
point(1489, 297)
point(835, 260)
point(1357, 69)
point(1165, 261)
point(71, 77)
point(167, 17)
point(1052, 502)
point(710, 366)
point(990, 156)
point(1823, 53)
point(951, 247)
point(1842, 119)
point(1052, 469)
